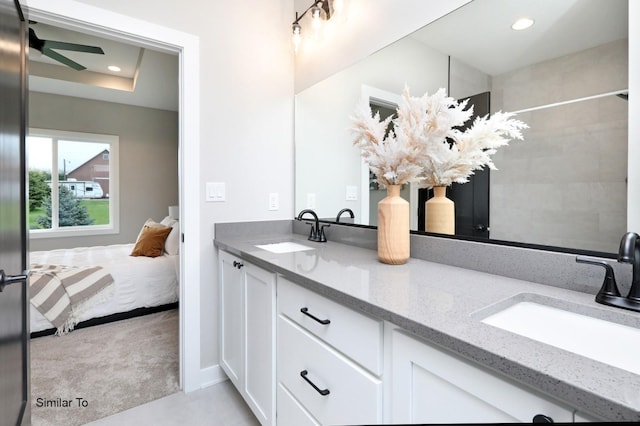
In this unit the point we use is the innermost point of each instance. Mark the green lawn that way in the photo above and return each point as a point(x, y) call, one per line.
point(98, 210)
point(32, 218)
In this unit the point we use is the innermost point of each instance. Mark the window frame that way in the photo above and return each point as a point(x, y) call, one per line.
point(114, 193)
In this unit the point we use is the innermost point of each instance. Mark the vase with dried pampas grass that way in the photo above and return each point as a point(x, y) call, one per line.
point(424, 145)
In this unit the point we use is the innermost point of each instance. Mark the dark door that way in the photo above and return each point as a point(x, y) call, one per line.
point(472, 198)
point(14, 343)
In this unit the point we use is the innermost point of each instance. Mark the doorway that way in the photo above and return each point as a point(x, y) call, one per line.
point(128, 29)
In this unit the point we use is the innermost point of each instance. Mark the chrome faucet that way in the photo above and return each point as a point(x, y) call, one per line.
point(344, 211)
point(317, 231)
point(609, 294)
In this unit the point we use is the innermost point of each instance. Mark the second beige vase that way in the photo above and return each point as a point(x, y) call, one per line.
point(393, 228)
point(440, 212)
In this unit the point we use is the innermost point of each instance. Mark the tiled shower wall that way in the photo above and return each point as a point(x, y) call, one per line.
point(565, 184)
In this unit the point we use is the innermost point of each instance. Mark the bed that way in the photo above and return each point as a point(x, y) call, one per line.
point(138, 281)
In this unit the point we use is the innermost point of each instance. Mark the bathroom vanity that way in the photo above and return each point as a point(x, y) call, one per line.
point(323, 333)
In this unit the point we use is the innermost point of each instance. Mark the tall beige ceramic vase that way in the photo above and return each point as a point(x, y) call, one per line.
point(440, 212)
point(393, 227)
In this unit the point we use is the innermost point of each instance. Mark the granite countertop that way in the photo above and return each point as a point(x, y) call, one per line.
point(445, 305)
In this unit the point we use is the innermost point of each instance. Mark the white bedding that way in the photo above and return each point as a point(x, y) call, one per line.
point(139, 281)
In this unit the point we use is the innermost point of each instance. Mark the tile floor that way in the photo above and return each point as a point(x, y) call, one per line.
point(219, 405)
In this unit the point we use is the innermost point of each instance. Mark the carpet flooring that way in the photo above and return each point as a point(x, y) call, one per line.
point(94, 372)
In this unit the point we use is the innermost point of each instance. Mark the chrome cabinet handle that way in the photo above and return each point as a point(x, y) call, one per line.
point(323, 392)
point(305, 311)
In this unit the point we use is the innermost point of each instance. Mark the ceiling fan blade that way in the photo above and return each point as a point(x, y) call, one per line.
point(62, 59)
point(52, 44)
point(34, 41)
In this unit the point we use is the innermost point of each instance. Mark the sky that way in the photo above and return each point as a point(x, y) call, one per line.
point(74, 153)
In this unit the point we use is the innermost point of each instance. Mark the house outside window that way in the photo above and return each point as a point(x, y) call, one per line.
point(73, 182)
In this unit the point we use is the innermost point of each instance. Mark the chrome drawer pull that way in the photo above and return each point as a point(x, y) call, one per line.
point(306, 312)
point(323, 392)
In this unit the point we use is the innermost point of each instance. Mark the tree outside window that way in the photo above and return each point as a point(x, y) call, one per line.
point(71, 182)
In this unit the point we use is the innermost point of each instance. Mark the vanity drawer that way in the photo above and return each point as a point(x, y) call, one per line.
point(290, 411)
point(352, 333)
point(344, 393)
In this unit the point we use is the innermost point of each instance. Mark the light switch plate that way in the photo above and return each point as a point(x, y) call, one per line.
point(352, 193)
point(274, 201)
point(216, 192)
point(311, 201)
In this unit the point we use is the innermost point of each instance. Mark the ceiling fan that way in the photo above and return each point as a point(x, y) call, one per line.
point(46, 46)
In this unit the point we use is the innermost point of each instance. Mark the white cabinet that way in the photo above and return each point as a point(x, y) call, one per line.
point(428, 384)
point(247, 336)
point(329, 361)
point(231, 301)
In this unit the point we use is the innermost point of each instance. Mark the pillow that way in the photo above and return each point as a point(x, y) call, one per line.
point(168, 221)
point(172, 244)
point(150, 223)
point(151, 241)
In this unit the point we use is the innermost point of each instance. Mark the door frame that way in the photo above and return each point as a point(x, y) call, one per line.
point(101, 22)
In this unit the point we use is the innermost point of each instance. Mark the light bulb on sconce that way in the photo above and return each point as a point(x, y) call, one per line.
point(316, 20)
point(297, 37)
point(319, 12)
point(338, 6)
point(316, 12)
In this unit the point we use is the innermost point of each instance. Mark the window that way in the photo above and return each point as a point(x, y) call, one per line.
point(73, 183)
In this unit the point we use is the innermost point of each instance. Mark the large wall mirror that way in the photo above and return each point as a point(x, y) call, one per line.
point(564, 186)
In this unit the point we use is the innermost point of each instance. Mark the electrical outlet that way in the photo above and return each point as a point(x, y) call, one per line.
point(274, 201)
point(311, 201)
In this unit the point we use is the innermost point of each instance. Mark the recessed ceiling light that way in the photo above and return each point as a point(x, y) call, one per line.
point(114, 68)
point(522, 24)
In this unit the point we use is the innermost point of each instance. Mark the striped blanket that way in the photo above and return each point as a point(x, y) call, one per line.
point(60, 293)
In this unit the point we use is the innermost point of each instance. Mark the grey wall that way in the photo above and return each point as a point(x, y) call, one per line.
point(564, 185)
point(148, 160)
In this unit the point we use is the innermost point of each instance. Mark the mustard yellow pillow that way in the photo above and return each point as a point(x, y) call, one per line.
point(151, 241)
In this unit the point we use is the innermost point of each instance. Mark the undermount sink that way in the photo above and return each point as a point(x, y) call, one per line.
point(284, 247)
point(601, 340)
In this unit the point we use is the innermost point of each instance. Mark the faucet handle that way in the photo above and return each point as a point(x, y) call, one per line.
point(609, 287)
point(313, 235)
point(321, 237)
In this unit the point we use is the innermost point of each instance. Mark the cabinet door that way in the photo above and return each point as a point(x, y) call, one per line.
point(431, 385)
point(259, 319)
point(231, 317)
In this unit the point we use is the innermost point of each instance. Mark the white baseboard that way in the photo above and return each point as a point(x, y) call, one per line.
point(211, 375)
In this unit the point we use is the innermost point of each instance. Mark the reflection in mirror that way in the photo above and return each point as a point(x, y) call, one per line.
point(564, 185)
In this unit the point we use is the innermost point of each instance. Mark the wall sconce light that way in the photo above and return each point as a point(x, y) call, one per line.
point(319, 11)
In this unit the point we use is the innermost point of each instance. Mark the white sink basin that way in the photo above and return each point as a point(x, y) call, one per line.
point(284, 247)
point(608, 342)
